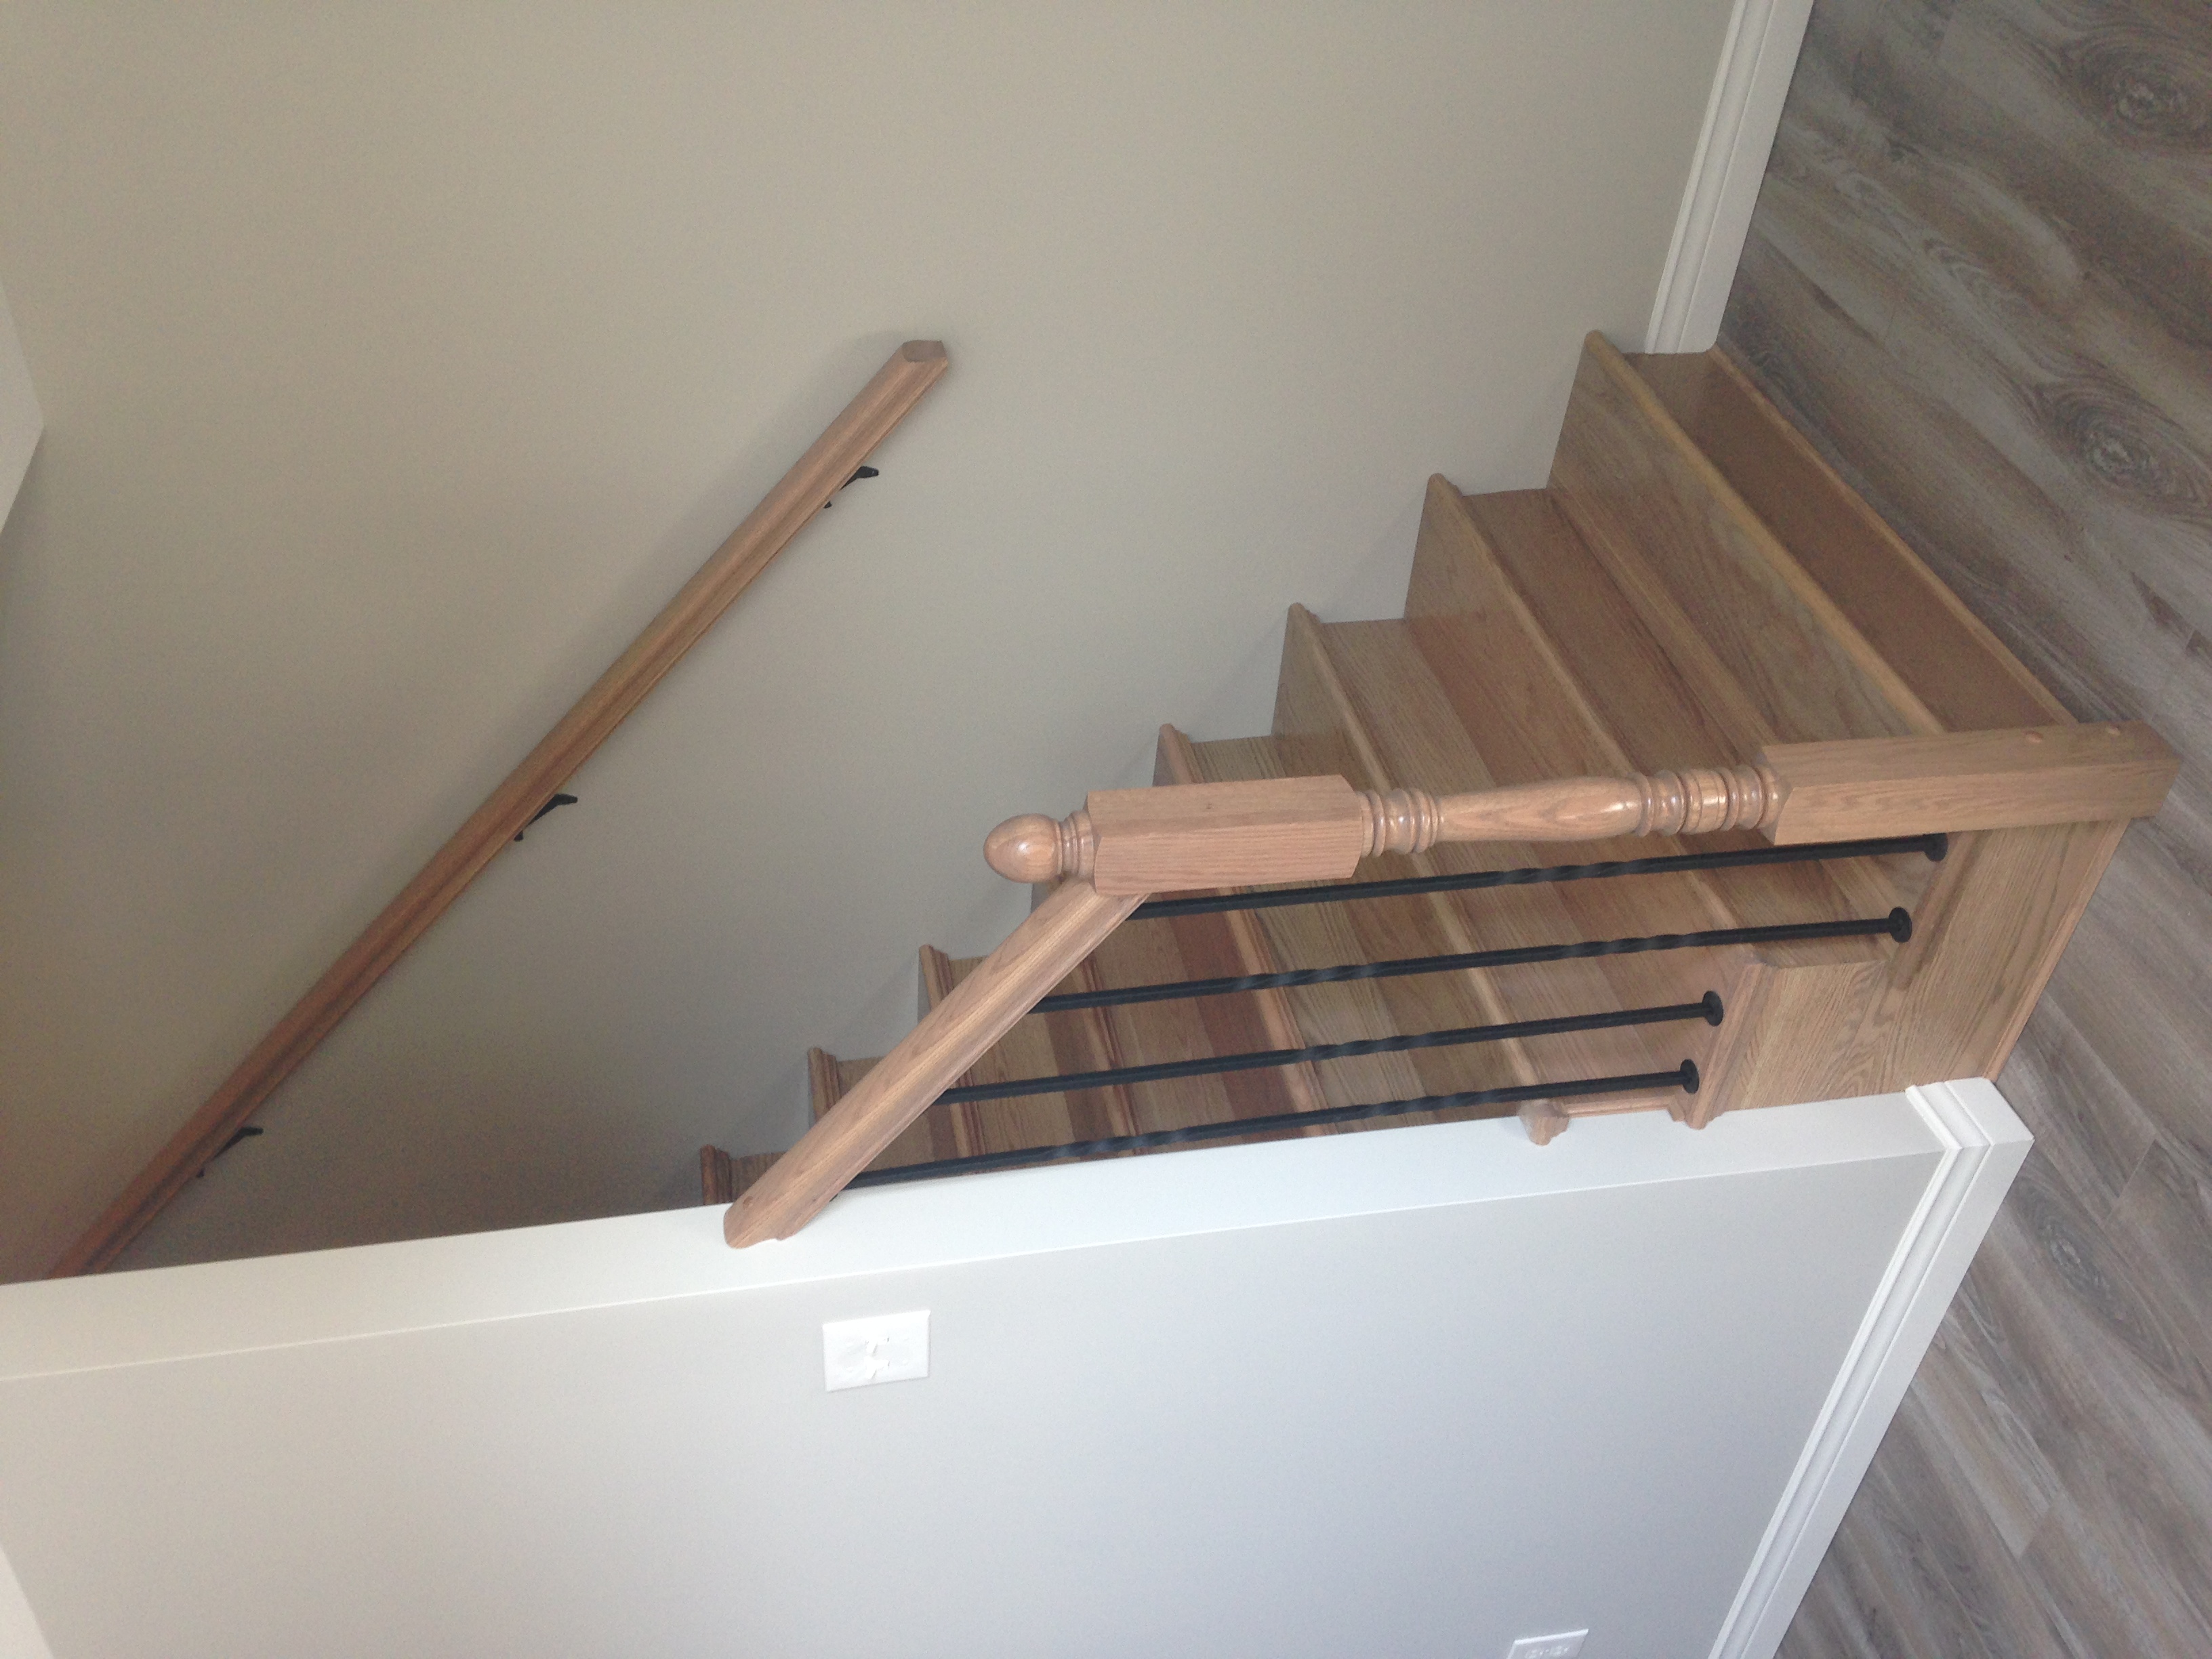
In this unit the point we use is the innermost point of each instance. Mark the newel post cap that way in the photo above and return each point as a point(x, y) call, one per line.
point(1024, 848)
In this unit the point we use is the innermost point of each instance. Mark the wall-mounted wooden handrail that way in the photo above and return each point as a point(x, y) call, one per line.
point(982, 1008)
point(1220, 835)
point(768, 528)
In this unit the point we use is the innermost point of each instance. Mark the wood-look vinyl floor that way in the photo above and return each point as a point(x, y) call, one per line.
point(1980, 276)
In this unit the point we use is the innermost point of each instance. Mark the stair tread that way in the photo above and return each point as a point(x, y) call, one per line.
point(1951, 660)
point(1043, 1045)
point(1707, 574)
point(1154, 1033)
point(1033, 1048)
point(1380, 666)
point(1649, 712)
point(1323, 935)
point(1652, 713)
point(1233, 943)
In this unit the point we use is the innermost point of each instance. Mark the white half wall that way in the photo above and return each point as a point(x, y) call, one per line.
point(399, 363)
point(1416, 1392)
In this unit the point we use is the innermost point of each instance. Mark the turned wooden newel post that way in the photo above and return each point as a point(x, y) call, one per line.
point(1241, 835)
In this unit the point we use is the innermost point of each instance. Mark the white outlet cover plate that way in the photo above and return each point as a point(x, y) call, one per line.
point(1565, 1645)
point(888, 1348)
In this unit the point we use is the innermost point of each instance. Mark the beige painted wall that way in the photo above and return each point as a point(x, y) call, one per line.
point(395, 367)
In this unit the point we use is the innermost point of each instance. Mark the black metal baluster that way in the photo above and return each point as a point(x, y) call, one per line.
point(1708, 1008)
point(1684, 1077)
point(1898, 924)
point(1933, 848)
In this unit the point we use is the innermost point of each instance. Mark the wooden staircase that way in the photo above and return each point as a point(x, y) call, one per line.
point(1694, 585)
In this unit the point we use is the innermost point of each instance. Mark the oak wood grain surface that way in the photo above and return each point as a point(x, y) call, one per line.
point(1699, 566)
point(1979, 280)
point(1234, 946)
point(2074, 774)
point(1054, 938)
point(1657, 712)
point(1381, 689)
point(1945, 654)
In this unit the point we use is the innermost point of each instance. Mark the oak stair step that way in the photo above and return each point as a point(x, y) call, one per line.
point(1946, 656)
point(1508, 572)
point(1708, 576)
point(1367, 688)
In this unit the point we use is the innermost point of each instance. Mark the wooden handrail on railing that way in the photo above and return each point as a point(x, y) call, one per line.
point(1224, 834)
point(1127, 844)
point(824, 468)
point(982, 1008)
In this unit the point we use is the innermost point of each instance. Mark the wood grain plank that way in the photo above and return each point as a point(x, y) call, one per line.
point(1964, 1388)
point(1151, 1033)
point(2072, 774)
point(2064, 605)
point(2136, 982)
point(1057, 935)
point(1937, 1558)
point(1793, 1036)
point(1786, 1039)
point(1386, 690)
point(1951, 661)
point(1314, 936)
point(1984, 944)
point(929, 1136)
point(1707, 577)
point(1232, 944)
point(2083, 1119)
point(2114, 1394)
point(1516, 551)
point(2182, 710)
point(1975, 449)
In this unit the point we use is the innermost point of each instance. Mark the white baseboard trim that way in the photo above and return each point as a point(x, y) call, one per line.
point(1984, 1144)
point(20, 423)
point(20, 1635)
point(1758, 54)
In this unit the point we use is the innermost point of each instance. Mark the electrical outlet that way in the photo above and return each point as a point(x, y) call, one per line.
point(889, 1348)
point(1565, 1645)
